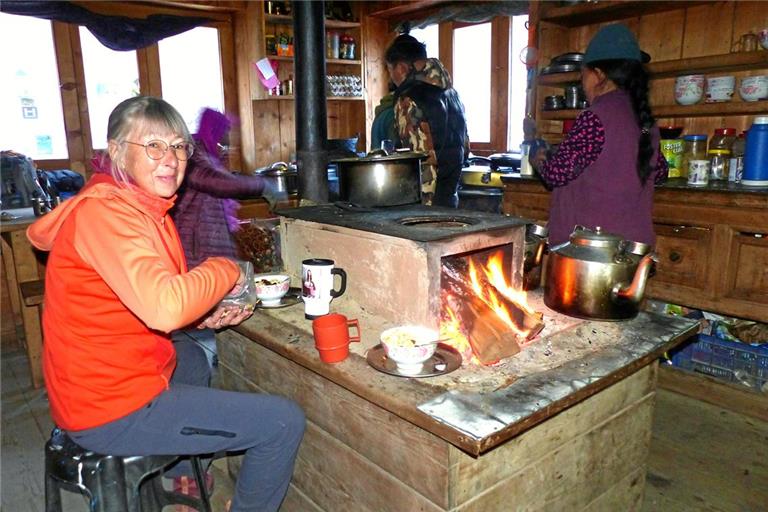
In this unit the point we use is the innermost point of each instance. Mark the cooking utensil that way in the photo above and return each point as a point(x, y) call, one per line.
point(556, 102)
point(284, 178)
point(434, 342)
point(559, 68)
point(381, 179)
point(597, 275)
point(568, 58)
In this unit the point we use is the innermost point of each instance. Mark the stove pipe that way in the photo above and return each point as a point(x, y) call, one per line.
point(311, 127)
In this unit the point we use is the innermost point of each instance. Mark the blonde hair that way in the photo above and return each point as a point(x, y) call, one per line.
point(140, 114)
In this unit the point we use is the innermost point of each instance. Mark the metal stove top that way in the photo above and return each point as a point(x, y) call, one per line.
point(412, 222)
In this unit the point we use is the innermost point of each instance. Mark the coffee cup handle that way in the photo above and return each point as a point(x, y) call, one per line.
point(354, 323)
point(343, 274)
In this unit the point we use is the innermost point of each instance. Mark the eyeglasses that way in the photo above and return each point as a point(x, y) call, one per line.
point(156, 149)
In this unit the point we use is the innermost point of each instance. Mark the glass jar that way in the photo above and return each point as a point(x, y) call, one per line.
point(736, 165)
point(719, 152)
point(694, 150)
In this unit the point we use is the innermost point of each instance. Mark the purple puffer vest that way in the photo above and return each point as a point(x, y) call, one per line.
point(609, 193)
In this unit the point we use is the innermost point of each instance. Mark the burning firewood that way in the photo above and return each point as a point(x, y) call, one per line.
point(495, 325)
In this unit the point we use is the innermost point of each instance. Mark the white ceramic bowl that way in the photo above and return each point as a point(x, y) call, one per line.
point(762, 36)
point(720, 88)
point(754, 88)
point(689, 89)
point(399, 346)
point(270, 288)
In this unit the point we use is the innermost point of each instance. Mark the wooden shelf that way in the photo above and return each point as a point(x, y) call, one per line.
point(735, 108)
point(290, 97)
point(342, 62)
point(728, 62)
point(284, 19)
point(588, 13)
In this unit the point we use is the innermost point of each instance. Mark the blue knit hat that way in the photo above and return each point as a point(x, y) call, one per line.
point(613, 42)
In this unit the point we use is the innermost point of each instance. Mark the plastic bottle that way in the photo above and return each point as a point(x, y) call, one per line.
point(695, 158)
point(756, 154)
point(719, 152)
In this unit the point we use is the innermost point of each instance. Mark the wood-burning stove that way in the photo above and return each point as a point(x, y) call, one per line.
point(393, 256)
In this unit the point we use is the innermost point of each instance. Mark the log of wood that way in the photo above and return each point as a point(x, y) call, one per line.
point(489, 335)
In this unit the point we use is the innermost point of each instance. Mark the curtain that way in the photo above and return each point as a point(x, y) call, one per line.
point(470, 12)
point(115, 32)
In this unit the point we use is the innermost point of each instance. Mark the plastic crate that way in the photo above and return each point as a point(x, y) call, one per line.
point(723, 359)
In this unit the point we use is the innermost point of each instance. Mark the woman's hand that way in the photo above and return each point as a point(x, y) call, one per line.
point(226, 316)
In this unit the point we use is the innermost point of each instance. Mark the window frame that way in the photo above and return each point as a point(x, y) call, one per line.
point(74, 103)
point(500, 40)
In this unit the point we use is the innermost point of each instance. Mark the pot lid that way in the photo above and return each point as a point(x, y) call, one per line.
point(276, 169)
point(380, 155)
point(594, 238)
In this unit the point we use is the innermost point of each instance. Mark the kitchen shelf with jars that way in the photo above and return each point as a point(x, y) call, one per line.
point(274, 111)
point(679, 38)
point(343, 52)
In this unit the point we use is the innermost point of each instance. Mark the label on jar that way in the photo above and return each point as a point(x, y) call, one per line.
point(735, 169)
point(672, 149)
point(698, 172)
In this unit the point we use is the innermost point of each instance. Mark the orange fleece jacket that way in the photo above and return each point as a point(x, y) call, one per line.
point(116, 284)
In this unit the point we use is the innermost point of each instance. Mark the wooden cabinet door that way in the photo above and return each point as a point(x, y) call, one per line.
point(684, 254)
point(747, 275)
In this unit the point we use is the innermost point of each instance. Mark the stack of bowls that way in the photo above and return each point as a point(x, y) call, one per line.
point(689, 89)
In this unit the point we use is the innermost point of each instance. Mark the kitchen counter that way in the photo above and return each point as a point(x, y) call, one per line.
point(670, 184)
point(475, 418)
point(22, 265)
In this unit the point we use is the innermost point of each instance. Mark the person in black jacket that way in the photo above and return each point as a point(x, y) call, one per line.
point(429, 117)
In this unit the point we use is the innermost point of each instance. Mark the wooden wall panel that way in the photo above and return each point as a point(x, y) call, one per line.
point(287, 130)
point(707, 29)
point(376, 78)
point(660, 35)
point(266, 133)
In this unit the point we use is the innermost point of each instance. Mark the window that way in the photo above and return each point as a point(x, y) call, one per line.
point(190, 71)
point(429, 36)
point(518, 80)
point(110, 77)
point(472, 77)
point(30, 106)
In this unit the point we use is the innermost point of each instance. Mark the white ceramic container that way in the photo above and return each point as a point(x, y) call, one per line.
point(689, 89)
point(720, 88)
point(754, 88)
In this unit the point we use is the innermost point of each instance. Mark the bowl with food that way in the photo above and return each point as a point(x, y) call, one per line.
point(409, 346)
point(271, 288)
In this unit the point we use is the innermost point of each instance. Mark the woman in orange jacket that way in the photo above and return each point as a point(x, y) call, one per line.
point(116, 285)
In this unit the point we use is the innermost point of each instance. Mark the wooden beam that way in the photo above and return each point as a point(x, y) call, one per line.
point(410, 8)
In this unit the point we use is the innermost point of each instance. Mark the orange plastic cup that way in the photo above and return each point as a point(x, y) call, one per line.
point(332, 336)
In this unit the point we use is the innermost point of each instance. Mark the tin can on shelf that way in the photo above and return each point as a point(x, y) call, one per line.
point(672, 149)
point(698, 172)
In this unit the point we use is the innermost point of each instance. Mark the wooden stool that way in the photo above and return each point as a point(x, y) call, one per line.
point(111, 482)
point(32, 294)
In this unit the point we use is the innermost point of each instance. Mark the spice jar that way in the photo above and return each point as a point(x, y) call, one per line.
point(695, 159)
point(719, 152)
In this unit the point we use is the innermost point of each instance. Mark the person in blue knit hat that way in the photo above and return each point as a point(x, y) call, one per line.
point(604, 171)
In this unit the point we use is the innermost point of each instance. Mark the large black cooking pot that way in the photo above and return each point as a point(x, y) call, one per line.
point(381, 179)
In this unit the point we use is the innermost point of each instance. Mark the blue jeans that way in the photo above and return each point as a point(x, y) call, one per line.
point(192, 419)
point(206, 338)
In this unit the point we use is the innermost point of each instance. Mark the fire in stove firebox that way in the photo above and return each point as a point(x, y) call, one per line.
point(485, 318)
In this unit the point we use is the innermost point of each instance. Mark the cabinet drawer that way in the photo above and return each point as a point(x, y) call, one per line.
point(748, 268)
point(683, 253)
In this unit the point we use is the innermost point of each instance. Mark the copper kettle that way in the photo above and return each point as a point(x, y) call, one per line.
point(597, 275)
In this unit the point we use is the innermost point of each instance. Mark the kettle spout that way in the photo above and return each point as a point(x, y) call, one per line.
point(636, 289)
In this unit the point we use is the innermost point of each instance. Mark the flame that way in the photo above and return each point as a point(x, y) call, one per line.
point(450, 330)
point(450, 326)
point(495, 274)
